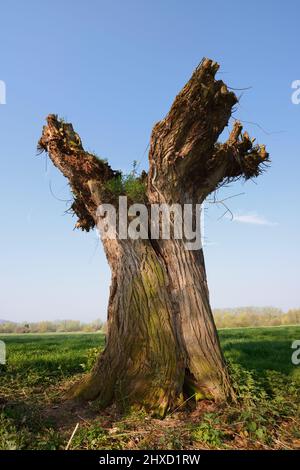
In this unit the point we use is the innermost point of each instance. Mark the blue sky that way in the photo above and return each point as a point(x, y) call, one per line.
point(113, 69)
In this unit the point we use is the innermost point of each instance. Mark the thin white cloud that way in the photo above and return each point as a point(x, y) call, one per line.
point(254, 219)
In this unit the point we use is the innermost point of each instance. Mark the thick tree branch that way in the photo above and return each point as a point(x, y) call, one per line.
point(82, 169)
point(237, 158)
point(189, 131)
point(184, 155)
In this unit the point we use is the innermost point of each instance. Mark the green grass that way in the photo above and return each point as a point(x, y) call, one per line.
point(260, 349)
point(40, 367)
point(49, 354)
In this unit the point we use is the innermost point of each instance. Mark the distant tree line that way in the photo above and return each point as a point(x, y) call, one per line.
point(224, 318)
point(59, 326)
point(254, 316)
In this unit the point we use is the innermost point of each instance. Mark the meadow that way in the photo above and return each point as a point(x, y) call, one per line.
point(33, 414)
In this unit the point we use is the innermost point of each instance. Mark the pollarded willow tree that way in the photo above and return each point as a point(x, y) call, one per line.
point(162, 345)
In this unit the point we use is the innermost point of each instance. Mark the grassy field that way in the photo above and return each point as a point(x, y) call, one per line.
point(41, 367)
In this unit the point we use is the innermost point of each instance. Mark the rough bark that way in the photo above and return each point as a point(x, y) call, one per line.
point(162, 344)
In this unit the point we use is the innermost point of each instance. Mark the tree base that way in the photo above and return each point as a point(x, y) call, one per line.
point(158, 402)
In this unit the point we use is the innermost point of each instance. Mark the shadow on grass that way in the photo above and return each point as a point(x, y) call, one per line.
point(262, 355)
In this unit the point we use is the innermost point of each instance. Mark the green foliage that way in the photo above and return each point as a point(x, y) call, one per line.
point(129, 185)
point(264, 401)
point(91, 357)
point(134, 188)
point(22, 428)
point(246, 386)
point(10, 438)
point(208, 431)
point(171, 440)
point(90, 438)
point(115, 185)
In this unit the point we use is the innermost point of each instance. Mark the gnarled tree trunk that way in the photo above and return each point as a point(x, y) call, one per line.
point(162, 344)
